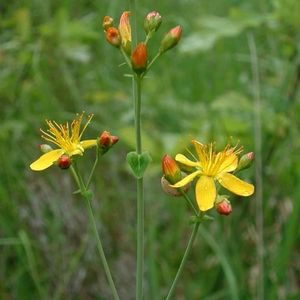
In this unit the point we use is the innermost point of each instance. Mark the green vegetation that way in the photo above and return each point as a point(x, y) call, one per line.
point(235, 73)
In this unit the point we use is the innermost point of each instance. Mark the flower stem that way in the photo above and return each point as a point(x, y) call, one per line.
point(189, 201)
point(184, 259)
point(87, 195)
point(101, 251)
point(140, 192)
point(93, 168)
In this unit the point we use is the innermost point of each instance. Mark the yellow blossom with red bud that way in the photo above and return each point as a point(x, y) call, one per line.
point(107, 22)
point(106, 141)
point(245, 161)
point(223, 206)
point(139, 58)
point(171, 39)
point(113, 36)
point(152, 22)
point(125, 31)
point(210, 167)
point(67, 138)
point(64, 162)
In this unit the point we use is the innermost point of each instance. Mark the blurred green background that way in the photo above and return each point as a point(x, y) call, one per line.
point(236, 73)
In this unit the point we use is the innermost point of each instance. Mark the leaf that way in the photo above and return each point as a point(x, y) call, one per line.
point(138, 163)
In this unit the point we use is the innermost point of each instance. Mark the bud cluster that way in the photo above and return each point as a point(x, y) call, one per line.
point(120, 37)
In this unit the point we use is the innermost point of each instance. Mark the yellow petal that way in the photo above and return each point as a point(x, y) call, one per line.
point(205, 192)
point(88, 143)
point(229, 164)
point(186, 180)
point(200, 149)
point(236, 185)
point(184, 160)
point(46, 160)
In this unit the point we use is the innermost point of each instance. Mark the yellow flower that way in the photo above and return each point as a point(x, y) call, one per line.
point(210, 167)
point(67, 138)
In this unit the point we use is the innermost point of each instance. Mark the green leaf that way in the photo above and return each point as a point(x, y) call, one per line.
point(138, 163)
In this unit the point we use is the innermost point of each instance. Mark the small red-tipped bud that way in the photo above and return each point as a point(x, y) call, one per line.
point(113, 36)
point(223, 206)
point(170, 169)
point(107, 22)
point(45, 148)
point(171, 39)
point(64, 162)
point(152, 22)
point(125, 31)
point(106, 141)
point(139, 58)
point(245, 161)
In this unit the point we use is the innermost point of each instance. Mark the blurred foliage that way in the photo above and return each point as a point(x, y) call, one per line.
point(54, 62)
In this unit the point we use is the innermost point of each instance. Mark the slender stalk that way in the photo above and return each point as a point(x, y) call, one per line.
point(93, 168)
point(140, 192)
point(184, 259)
point(87, 198)
point(152, 62)
point(258, 165)
point(189, 201)
point(101, 251)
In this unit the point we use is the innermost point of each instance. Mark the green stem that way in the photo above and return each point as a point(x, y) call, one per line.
point(184, 259)
point(189, 201)
point(93, 169)
point(101, 251)
point(140, 193)
point(152, 62)
point(87, 196)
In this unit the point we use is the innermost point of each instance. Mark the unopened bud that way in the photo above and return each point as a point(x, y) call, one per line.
point(245, 161)
point(45, 148)
point(125, 31)
point(152, 22)
point(107, 22)
point(223, 206)
point(64, 162)
point(170, 169)
point(171, 39)
point(139, 58)
point(113, 36)
point(106, 141)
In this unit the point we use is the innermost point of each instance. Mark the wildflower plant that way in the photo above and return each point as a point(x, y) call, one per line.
point(206, 172)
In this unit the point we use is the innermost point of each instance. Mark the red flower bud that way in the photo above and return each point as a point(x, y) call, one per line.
point(152, 21)
point(170, 169)
point(106, 141)
point(64, 162)
point(224, 207)
point(107, 22)
point(171, 39)
point(139, 58)
point(113, 36)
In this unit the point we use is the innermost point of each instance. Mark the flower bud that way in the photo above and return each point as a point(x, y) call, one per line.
point(245, 161)
point(106, 141)
point(170, 169)
point(223, 206)
point(125, 31)
point(113, 36)
point(139, 58)
point(171, 39)
point(107, 22)
point(64, 162)
point(45, 148)
point(152, 22)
